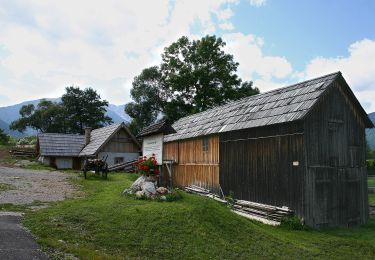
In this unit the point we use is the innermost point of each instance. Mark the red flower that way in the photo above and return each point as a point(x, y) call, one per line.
point(156, 171)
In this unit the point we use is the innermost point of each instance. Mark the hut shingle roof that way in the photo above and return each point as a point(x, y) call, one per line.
point(60, 144)
point(277, 106)
point(156, 128)
point(101, 136)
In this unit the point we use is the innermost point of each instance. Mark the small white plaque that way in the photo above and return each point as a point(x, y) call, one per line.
point(153, 145)
point(296, 163)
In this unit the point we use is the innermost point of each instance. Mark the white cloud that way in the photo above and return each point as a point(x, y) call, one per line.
point(226, 26)
point(102, 44)
point(257, 3)
point(358, 68)
point(247, 50)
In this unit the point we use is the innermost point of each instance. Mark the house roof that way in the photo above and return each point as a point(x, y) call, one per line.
point(160, 127)
point(100, 136)
point(60, 144)
point(281, 105)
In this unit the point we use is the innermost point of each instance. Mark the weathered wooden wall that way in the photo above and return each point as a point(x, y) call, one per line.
point(121, 143)
point(257, 165)
point(336, 178)
point(194, 166)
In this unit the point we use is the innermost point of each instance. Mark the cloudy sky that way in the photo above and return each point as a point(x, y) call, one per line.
point(48, 45)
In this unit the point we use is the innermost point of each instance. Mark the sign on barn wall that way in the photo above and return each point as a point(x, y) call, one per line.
point(153, 145)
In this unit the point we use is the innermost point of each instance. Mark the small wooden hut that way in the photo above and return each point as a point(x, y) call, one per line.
point(302, 146)
point(114, 142)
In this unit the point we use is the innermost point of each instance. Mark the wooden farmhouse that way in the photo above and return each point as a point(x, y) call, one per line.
point(115, 143)
point(301, 146)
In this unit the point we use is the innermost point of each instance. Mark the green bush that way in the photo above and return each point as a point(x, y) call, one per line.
point(173, 195)
point(27, 140)
point(293, 223)
point(4, 138)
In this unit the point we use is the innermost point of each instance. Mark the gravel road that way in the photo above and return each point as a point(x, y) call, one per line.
point(28, 186)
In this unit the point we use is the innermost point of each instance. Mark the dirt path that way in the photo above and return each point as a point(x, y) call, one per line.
point(24, 186)
point(15, 241)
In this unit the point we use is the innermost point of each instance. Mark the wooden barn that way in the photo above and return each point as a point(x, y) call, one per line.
point(302, 146)
point(67, 151)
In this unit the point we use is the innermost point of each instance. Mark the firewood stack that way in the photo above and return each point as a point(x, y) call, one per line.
point(23, 153)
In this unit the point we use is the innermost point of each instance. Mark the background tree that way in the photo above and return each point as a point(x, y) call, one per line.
point(148, 96)
point(4, 138)
point(84, 108)
point(48, 116)
point(78, 109)
point(193, 76)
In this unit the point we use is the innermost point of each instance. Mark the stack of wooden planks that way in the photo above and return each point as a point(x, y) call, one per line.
point(126, 166)
point(267, 214)
point(23, 153)
point(203, 192)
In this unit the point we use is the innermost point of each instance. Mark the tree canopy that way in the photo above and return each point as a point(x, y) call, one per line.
point(78, 109)
point(4, 138)
point(192, 77)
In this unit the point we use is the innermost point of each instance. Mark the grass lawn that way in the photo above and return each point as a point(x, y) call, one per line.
point(106, 225)
point(371, 181)
point(371, 199)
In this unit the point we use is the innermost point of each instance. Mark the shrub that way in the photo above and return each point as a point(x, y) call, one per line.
point(4, 138)
point(293, 223)
point(173, 195)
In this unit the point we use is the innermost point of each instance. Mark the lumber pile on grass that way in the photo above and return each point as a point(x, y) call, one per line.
point(267, 214)
point(203, 192)
point(126, 166)
point(23, 153)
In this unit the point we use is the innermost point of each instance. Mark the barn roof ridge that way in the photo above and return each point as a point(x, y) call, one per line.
point(337, 73)
point(286, 104)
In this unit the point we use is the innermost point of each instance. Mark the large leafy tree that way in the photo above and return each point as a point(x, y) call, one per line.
point(84, 108)
point(48, 116)
point(78, 109)
point(193, 76)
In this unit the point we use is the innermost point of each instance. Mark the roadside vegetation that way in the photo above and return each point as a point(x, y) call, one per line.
point(105, 225)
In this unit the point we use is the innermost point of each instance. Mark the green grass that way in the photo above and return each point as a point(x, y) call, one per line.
point(6, 186)
point(106, 225)
point(371, 199)
point(37, 166)
point(371, 181)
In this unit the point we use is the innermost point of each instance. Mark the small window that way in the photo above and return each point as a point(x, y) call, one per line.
point(119, 160)
point(205, 144)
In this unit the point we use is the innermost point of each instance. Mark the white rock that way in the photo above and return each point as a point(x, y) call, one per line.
point(162, 190)
point(149, 188)
point(139, 194)
point(137, 185)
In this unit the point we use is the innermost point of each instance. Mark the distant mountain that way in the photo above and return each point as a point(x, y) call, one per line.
point(4, 126)
point(370, 133)
point(11, 113)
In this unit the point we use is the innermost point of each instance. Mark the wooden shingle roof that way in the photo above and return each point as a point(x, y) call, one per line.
point(162, 126)
point(274, 107)
point(100, 136)
point(60, 144)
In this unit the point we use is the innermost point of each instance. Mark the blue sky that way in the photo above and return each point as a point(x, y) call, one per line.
point(302, 30)
point(45, 46)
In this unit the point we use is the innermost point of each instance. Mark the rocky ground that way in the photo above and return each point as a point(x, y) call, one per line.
point(27, 186)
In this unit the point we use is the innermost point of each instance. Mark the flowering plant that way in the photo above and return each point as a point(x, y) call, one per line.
point(147, 166)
